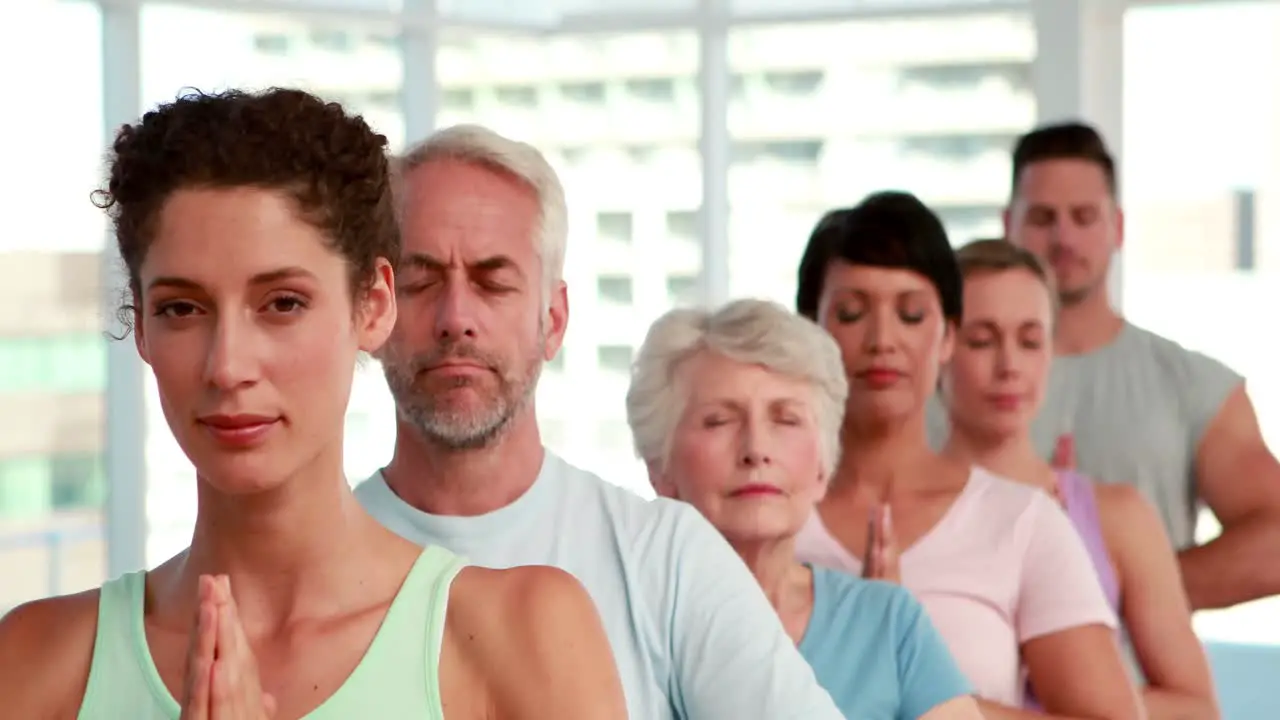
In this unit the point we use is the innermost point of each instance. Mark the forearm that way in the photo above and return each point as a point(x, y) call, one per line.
point(1241, 564)
point(1164, 704)
point(998, 711)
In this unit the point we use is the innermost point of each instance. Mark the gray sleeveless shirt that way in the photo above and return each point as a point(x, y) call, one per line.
point(1138, 409)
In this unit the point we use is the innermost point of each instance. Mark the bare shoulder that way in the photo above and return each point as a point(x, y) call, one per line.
point(537, 636)
point(1131, 525)
point(524, 603)
point(46, 648)
point(1121, 505)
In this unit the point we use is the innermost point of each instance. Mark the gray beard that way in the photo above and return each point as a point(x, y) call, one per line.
point(452, 429)
point(458, 431)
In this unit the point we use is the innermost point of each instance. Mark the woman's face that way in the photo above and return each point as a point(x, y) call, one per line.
point(746, 450)
point(996, 379)
point(889, 325)
point(245, 317)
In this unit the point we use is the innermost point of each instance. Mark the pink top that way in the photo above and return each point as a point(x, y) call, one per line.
point(1004, 565)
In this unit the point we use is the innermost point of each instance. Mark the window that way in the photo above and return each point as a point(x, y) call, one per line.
point(928, 121)
point(332, 40)
point(77, 481)
point(615, 226)
point(958, 147)
point(642, 154)
point(1180, 272)
point(575, 155)
point(683, 224)
point(53, 364)
point(794, 83)
point(51, 347)
point(616, 115)
point(652, 89)
point(614, 288)
point(616, 358)
point(587, 93)
point(24, 487)
point(271, 44)
point(458, 98)
point(804, 152)
point(682, 289)
point(383, 100)
point(967, 76)
point(517, 96)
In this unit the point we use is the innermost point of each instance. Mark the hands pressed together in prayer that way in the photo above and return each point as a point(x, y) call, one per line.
point(222, 681)
point(881, 561)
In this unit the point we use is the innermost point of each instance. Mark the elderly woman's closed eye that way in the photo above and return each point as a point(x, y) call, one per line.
point(738, 412)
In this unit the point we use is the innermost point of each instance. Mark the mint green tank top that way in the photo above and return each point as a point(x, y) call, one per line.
point(398, 677)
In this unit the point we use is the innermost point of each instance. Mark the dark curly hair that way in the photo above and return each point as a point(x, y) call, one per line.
point(332, 164)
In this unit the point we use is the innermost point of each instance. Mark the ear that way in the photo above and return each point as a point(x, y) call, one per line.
point(948, 344)
point(1006, 216)
point(557, 320)
point(376, 309)
point(660, 482)
point(140, 338)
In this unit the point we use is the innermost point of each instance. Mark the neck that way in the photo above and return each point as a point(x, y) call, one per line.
point(446, 481)
point(1010, 456)
point(285, 548)
point(784, 581)
point(872, 458)
point(1087, 325)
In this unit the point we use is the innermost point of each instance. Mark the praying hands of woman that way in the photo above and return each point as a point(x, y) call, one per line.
point(881, 561)
point(222, 680)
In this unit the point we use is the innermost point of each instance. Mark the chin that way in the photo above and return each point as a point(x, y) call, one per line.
point(761, 525)
point(242, 474)
point(885, 408)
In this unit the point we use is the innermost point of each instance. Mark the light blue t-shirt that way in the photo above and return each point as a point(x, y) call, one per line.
point(875, 650)
point(692, 634)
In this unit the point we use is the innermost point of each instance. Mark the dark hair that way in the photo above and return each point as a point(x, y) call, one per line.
point(1063, 141)
point(331, 164)
point(999, 255)
point(889, 230)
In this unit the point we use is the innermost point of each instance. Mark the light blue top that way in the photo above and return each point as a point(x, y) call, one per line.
point(875, 650)
point(692, 634)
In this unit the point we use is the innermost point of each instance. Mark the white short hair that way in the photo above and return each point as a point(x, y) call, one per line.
point(755, 332)
point(477, 144)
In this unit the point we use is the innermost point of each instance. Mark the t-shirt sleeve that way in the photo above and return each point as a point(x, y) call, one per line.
point(927, 673)
point(731, 656)
point(1206, 384)
point(1058, 588)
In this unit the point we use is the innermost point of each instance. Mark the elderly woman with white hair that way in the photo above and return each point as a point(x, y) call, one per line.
point(738, 412)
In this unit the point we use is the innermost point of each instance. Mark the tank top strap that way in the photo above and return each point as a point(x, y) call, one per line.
point(1081, 498)
point(119, 681)
point(405, 652)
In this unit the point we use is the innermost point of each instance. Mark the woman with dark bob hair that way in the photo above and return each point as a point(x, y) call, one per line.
point(259, 234)
point(996, 564)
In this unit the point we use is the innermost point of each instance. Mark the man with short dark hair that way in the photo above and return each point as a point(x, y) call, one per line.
point(1136, 407)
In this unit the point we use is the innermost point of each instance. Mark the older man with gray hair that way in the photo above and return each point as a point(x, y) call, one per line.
point(738, 412)
point(482, 305)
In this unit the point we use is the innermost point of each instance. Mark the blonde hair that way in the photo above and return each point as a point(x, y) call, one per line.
point(999, 255)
